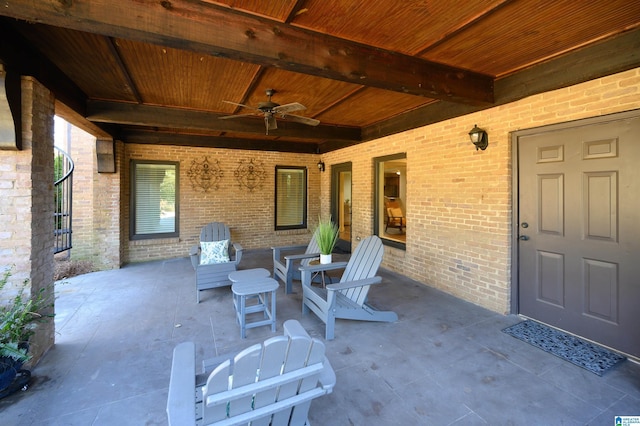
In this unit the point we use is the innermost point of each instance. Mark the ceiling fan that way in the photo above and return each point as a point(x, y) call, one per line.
point(271, 109)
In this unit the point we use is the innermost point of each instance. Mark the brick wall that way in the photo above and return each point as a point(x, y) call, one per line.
point(249, 214)
point(80, 149)
point(27, 180)
point(96, 206)
point(458, 203)
point(458, 200)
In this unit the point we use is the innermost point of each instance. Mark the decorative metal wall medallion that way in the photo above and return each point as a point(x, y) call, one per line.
point(250, 175)
point(204, 175)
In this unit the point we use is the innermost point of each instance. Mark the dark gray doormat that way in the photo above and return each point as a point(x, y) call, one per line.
point(570, 348)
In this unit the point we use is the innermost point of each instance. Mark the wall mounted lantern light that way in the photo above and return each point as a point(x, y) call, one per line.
point(479, 137)
point(320, 166)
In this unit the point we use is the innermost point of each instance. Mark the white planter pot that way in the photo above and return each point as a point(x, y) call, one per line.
point(325, 258)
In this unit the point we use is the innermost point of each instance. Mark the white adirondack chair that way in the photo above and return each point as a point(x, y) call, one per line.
point(217, 274)
point(271, 383)
point(286, 266)
point(348, 298)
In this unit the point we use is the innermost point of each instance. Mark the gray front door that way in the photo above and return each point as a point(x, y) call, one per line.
point(579, 229)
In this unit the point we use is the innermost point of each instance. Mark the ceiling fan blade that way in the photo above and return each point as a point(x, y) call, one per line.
point(236, 116)
point(304, 120)
point(294, 106)
point(240, 105)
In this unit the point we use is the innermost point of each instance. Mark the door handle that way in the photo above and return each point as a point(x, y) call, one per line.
point(524, 237)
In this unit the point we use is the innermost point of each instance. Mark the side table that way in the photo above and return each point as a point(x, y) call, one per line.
point(260, 290)
point(323, 274)
point(249, 275)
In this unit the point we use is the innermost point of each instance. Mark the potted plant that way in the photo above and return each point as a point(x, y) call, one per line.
point(326, 237)
point(18, 319)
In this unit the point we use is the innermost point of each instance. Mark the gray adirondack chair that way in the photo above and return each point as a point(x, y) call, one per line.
point(272, 383)
point(286, 266)
point(348, 298)
point(214, 275)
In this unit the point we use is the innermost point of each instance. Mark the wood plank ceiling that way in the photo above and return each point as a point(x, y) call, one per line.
point(145, 71)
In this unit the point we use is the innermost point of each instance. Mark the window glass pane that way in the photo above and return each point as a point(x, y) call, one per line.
point(291, 197)
point(390, 197)
point(154, 207)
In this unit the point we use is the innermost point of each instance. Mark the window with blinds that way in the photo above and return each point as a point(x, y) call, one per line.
point(154, 193)
point(291, 197)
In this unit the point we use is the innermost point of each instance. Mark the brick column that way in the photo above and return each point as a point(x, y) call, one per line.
point(26, 211)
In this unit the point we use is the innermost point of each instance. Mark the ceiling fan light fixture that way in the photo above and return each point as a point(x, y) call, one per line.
point(270, 109)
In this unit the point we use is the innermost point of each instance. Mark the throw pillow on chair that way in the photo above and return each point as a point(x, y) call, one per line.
point(214, 252)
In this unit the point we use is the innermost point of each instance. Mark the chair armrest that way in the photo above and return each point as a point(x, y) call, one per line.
point(279, 251)
point(327, 377)
point(293, 328)
point(238, 248)
point(288, 248)
point(352, 284)
point(194, 254)
point(307, 272)
point(181, 409)
point(323, 267)
point(301, 256)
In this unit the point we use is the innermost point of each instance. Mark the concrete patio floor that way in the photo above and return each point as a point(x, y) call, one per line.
point(445, 361)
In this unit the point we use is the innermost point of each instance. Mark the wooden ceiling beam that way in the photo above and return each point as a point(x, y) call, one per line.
point(206, 28)
point(166, 138)
point(21, 59)
point(614, 55)
point(99, 130)
point(117, 57)
point(157, 116)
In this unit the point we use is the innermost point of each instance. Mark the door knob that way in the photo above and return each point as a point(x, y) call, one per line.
point(524, 225)
point(524, 237)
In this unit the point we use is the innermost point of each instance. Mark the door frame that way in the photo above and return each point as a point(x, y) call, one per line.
point(515, 185)
point(336, 169)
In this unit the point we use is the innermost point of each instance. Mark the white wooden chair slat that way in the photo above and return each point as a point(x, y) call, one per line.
point(347, 299)
point(296, 359)
point(245, 367)
point(218, 381)
point(273, 359)
point(215, 231)
point(301, 411)
point(293, 376)
point(245, 418)
point(279, 376)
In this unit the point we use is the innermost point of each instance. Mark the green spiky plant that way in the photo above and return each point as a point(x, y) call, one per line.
point(326, 235)
point(18, 320)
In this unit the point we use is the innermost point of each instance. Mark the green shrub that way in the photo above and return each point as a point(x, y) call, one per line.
point(19, 318)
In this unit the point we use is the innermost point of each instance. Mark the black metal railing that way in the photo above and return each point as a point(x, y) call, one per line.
point(63, 169)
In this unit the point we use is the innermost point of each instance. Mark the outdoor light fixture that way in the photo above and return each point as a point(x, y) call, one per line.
point(320, 166)
point(479, 137)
